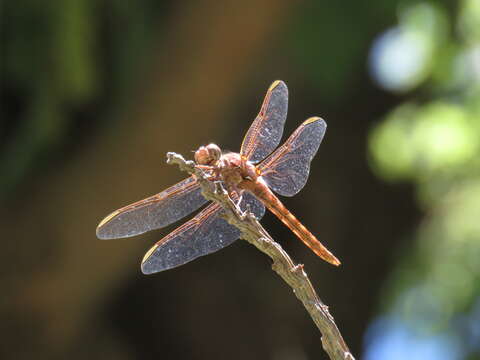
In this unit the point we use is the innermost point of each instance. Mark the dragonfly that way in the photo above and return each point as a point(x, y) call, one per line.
point(251, 177)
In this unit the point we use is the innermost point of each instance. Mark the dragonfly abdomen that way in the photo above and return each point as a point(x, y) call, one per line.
point(272, 203)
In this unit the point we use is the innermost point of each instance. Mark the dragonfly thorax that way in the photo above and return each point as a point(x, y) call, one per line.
point(235, 169)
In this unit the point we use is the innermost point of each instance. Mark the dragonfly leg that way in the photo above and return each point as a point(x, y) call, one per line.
point(205, 167)
point(210, 171)
point(237, 196)
point(240, 198)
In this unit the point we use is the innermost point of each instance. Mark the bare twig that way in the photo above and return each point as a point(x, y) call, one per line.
point(293, 275)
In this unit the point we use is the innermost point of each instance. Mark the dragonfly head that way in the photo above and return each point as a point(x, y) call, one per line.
point(208, 155)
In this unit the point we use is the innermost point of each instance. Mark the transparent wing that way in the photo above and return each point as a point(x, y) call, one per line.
point(266, 130)
point(205, 233)
point(154, 212)
point(286, 170)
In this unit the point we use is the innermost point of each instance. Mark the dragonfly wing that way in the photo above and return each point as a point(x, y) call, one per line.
point(266, 130)
point(286, 170)
point(153, 212)
point(204, 234)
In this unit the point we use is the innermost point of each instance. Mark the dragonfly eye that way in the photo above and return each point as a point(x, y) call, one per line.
point(201, 156)
point(214, 152)
point(208, 155)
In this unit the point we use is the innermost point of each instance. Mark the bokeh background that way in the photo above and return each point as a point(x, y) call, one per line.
point(94, 93)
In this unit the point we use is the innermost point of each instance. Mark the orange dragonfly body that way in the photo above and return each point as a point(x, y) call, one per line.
point(250, 176)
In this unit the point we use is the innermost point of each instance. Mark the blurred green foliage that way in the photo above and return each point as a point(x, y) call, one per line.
point(62, 57)
point(332, 51)
point(433, 141)
point(49, 60)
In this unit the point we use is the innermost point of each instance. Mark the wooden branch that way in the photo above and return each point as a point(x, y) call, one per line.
point(293, 275)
